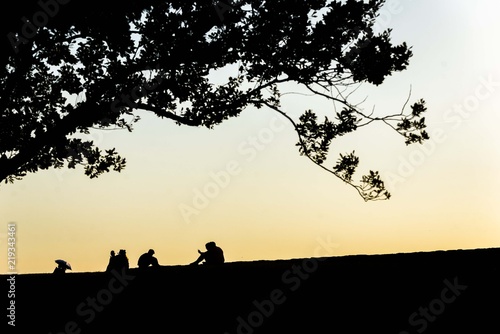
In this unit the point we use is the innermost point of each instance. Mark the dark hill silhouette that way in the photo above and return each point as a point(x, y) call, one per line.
point(428, 292)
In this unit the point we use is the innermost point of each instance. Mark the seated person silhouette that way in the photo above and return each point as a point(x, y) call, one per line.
point(61, 267)
point(121, 260)
point(112, 261)
point(213, 256)
point(147, 259)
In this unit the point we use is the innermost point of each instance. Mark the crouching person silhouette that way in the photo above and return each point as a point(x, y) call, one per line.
point(213, 256)
point(147, 259)
point(61, 267)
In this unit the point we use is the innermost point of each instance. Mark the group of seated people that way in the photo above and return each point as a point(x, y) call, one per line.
point(212, 256)
point(118, 261)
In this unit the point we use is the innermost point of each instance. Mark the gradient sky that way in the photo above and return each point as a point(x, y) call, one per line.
point(245, 186)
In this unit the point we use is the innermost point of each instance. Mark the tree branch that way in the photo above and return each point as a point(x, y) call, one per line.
point(167, 114)
point(363, 191)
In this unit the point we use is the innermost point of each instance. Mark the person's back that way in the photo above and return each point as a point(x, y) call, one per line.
point(214, 254)
point(112, 262)
point(147, 259)
point(121, 260)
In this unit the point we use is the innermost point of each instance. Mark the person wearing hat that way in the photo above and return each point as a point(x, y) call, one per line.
point(61, 267)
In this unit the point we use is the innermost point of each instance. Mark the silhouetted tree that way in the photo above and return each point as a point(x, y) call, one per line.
point(71, 66)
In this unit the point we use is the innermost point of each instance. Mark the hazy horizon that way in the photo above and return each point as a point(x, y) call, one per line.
point(134, 266)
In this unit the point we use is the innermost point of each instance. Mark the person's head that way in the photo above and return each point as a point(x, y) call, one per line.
point(151, 252)
point(112, 253)
point(210, 245)
point(122, 252)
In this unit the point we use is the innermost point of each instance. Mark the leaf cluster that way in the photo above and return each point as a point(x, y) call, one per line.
point(317, 137)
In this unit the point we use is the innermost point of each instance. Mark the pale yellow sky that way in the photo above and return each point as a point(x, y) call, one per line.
point(245, 186)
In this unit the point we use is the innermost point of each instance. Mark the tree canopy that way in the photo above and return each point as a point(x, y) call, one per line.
point(139, 56)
